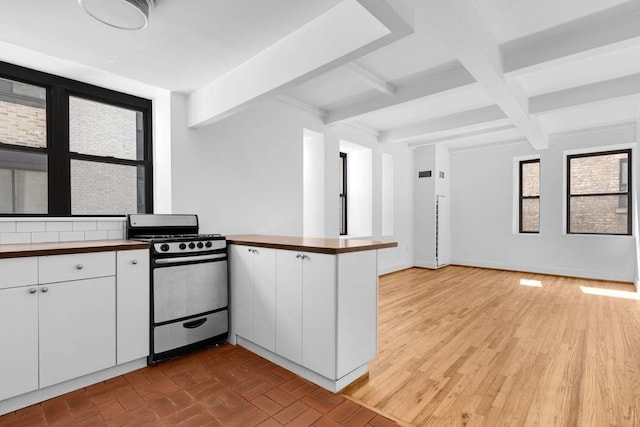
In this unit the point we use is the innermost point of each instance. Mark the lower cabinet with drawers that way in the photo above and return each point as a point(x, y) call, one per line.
point(65, 317)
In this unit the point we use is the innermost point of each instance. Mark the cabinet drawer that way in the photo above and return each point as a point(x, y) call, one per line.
point(18, 272)
point(174, 335)
point(62, 268)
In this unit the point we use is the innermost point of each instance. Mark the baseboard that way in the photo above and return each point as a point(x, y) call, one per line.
point(555, 271)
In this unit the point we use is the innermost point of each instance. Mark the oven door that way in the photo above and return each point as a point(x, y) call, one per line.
point(187, 286)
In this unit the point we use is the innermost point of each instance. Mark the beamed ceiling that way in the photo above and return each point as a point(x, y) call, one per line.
point(461, 73)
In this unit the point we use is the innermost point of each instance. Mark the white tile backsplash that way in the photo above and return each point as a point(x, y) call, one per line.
point(110, 225)
point(59, 226)
point(96, 235)
point(84, 225)
point(30, 227)
point(9, 238)
point(69, 236)
point(8, 227)
point(116, 234)
point(49, 236)
point(36, 230)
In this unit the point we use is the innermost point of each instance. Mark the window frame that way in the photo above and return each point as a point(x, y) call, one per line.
point(344, 231)
point(521, 198)
point(58, 91)
point(628, 192)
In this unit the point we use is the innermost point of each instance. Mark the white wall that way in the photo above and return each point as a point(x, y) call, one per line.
point(482, 208)
point(313, 184)
point(244, 174)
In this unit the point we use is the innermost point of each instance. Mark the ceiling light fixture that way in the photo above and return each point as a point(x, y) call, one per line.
point(121, 14)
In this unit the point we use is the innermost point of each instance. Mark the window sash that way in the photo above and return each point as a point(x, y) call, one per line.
point(58, 92)
point(626, 193)
point(522, 198)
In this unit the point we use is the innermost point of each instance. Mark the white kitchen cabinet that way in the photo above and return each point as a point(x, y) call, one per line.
point(289, 305)
point(325, 309)
point(77, 327)
point(305, 309)
point(319, 313)
point(61, 323)
point(19, 338)
point(253, 294)
point(132, 302)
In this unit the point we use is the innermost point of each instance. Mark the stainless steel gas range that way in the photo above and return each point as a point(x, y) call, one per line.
point(189, 284)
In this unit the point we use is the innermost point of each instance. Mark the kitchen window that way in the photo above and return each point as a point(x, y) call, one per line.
point(529, 196)
point(599, 193)
point(70, 148)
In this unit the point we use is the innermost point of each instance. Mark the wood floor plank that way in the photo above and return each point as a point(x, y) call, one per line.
point(477, 347)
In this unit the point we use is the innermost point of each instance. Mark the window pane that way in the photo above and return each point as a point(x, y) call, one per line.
point(23, 114)
point(531, 179)
point(105, 130)
point(530, 215)
point(23, 183)
point(597, 174)
point(597, 214)
point(106, 189)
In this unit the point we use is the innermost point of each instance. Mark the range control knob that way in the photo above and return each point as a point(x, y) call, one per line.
point(164, 247)
point(192, 245)
point(200, 245)
point(183, 246)
point(208, 244)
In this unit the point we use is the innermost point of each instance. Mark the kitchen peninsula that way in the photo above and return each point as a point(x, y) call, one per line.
point(307, 304)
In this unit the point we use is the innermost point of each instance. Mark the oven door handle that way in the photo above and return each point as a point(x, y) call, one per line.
point(177, 260)
point(195, 323)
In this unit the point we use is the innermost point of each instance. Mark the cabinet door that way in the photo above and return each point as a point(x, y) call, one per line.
point(289, 305)
point(132, 305)
point(77, 328)
point(318, 313)
point(264, 321)
point(241, 272)
point(19, 338)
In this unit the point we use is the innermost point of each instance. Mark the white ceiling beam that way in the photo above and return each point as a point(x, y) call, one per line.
point(464, 134)
point(442, 79)
point(364, 128)
point(325, 43)
point(586, 94)
point(603, 31)
point(423, 129)
point(370, 79)
point(301, 105)
point(465, 33)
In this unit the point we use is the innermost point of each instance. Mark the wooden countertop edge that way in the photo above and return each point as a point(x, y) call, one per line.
point(20, 250)
point(310, 248)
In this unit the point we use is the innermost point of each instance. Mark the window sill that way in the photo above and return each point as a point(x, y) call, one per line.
point(527, 234)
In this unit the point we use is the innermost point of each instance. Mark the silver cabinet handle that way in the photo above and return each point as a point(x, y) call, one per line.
point(250, 250)
point(79, 267)
point(32, 290)
point(298, 256)
point(134, 261)
point(44, 290)
point(304, 256)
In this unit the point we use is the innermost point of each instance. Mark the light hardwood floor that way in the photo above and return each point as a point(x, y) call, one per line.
point(470, 346)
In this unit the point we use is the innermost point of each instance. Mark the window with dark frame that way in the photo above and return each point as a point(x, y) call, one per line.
point(529, 196)
point(599, 193)
point(69, 148)
point(342, 180)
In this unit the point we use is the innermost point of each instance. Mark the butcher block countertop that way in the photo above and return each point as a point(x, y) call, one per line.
point(309, 244)
point(59, 248)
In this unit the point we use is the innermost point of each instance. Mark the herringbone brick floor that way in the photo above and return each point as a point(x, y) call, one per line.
point(227, 385)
